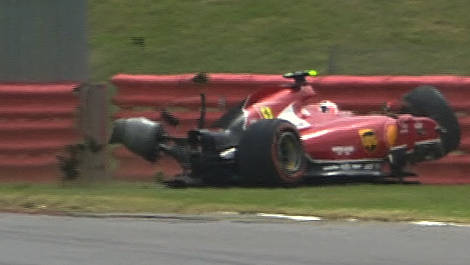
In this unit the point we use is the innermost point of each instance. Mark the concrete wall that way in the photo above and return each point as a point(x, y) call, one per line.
point(43, 41)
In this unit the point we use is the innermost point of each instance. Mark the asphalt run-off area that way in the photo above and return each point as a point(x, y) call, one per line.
point(226, 239)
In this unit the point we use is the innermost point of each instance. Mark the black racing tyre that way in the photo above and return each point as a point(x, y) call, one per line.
point(270, 152)
point(429, 101)
point(139, 135)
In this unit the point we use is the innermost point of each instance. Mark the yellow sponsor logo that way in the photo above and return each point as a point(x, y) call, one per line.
point(368, 139)
point(266, 113)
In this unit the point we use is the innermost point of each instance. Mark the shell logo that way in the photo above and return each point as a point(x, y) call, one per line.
point(391, 133)
point(368, 139)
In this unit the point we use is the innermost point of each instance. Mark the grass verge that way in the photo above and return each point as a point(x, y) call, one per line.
point(365, 201)
point(274, 36)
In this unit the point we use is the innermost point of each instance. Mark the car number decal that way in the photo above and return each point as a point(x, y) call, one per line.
point(368, 139)
point(266, 112)
point(343, 150)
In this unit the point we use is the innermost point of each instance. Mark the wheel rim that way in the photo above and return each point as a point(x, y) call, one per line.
point(289, 152)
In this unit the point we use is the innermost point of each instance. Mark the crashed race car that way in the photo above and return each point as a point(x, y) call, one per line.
point(277, 136)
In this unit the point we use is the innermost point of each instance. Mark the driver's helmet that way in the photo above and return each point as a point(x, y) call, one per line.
point(327, 106)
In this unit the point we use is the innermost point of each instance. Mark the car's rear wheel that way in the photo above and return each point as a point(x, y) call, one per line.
point(270, 152)
point(428, 101)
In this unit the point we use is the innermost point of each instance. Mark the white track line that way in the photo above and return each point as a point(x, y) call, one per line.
point(290, 217)
point(315, 218)
point(430, 223)
point(434, 223)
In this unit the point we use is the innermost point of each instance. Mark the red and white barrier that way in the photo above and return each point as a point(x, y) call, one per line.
point(36, 122)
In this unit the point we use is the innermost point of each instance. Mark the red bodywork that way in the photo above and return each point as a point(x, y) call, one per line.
point(330, 135)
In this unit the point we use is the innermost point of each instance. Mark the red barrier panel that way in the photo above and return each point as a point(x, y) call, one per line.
point(153, 92)
point(37, 112)
point(37, 122)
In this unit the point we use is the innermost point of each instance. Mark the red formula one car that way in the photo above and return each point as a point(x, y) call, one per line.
point(276, 136)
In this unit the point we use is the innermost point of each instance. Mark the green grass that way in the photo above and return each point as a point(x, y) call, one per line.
point(378, 202)
point(276, 36)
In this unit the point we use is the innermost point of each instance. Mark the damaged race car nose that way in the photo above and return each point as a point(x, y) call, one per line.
point(140, 135)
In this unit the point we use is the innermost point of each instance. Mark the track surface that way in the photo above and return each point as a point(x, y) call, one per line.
point(35, 239)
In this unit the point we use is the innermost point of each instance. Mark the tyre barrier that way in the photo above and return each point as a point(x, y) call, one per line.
point(37, 122)
point(146, 95)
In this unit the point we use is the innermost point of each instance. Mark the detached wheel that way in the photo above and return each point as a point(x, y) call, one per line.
point(139, 135)
point(270, 152)
point(428, 101)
